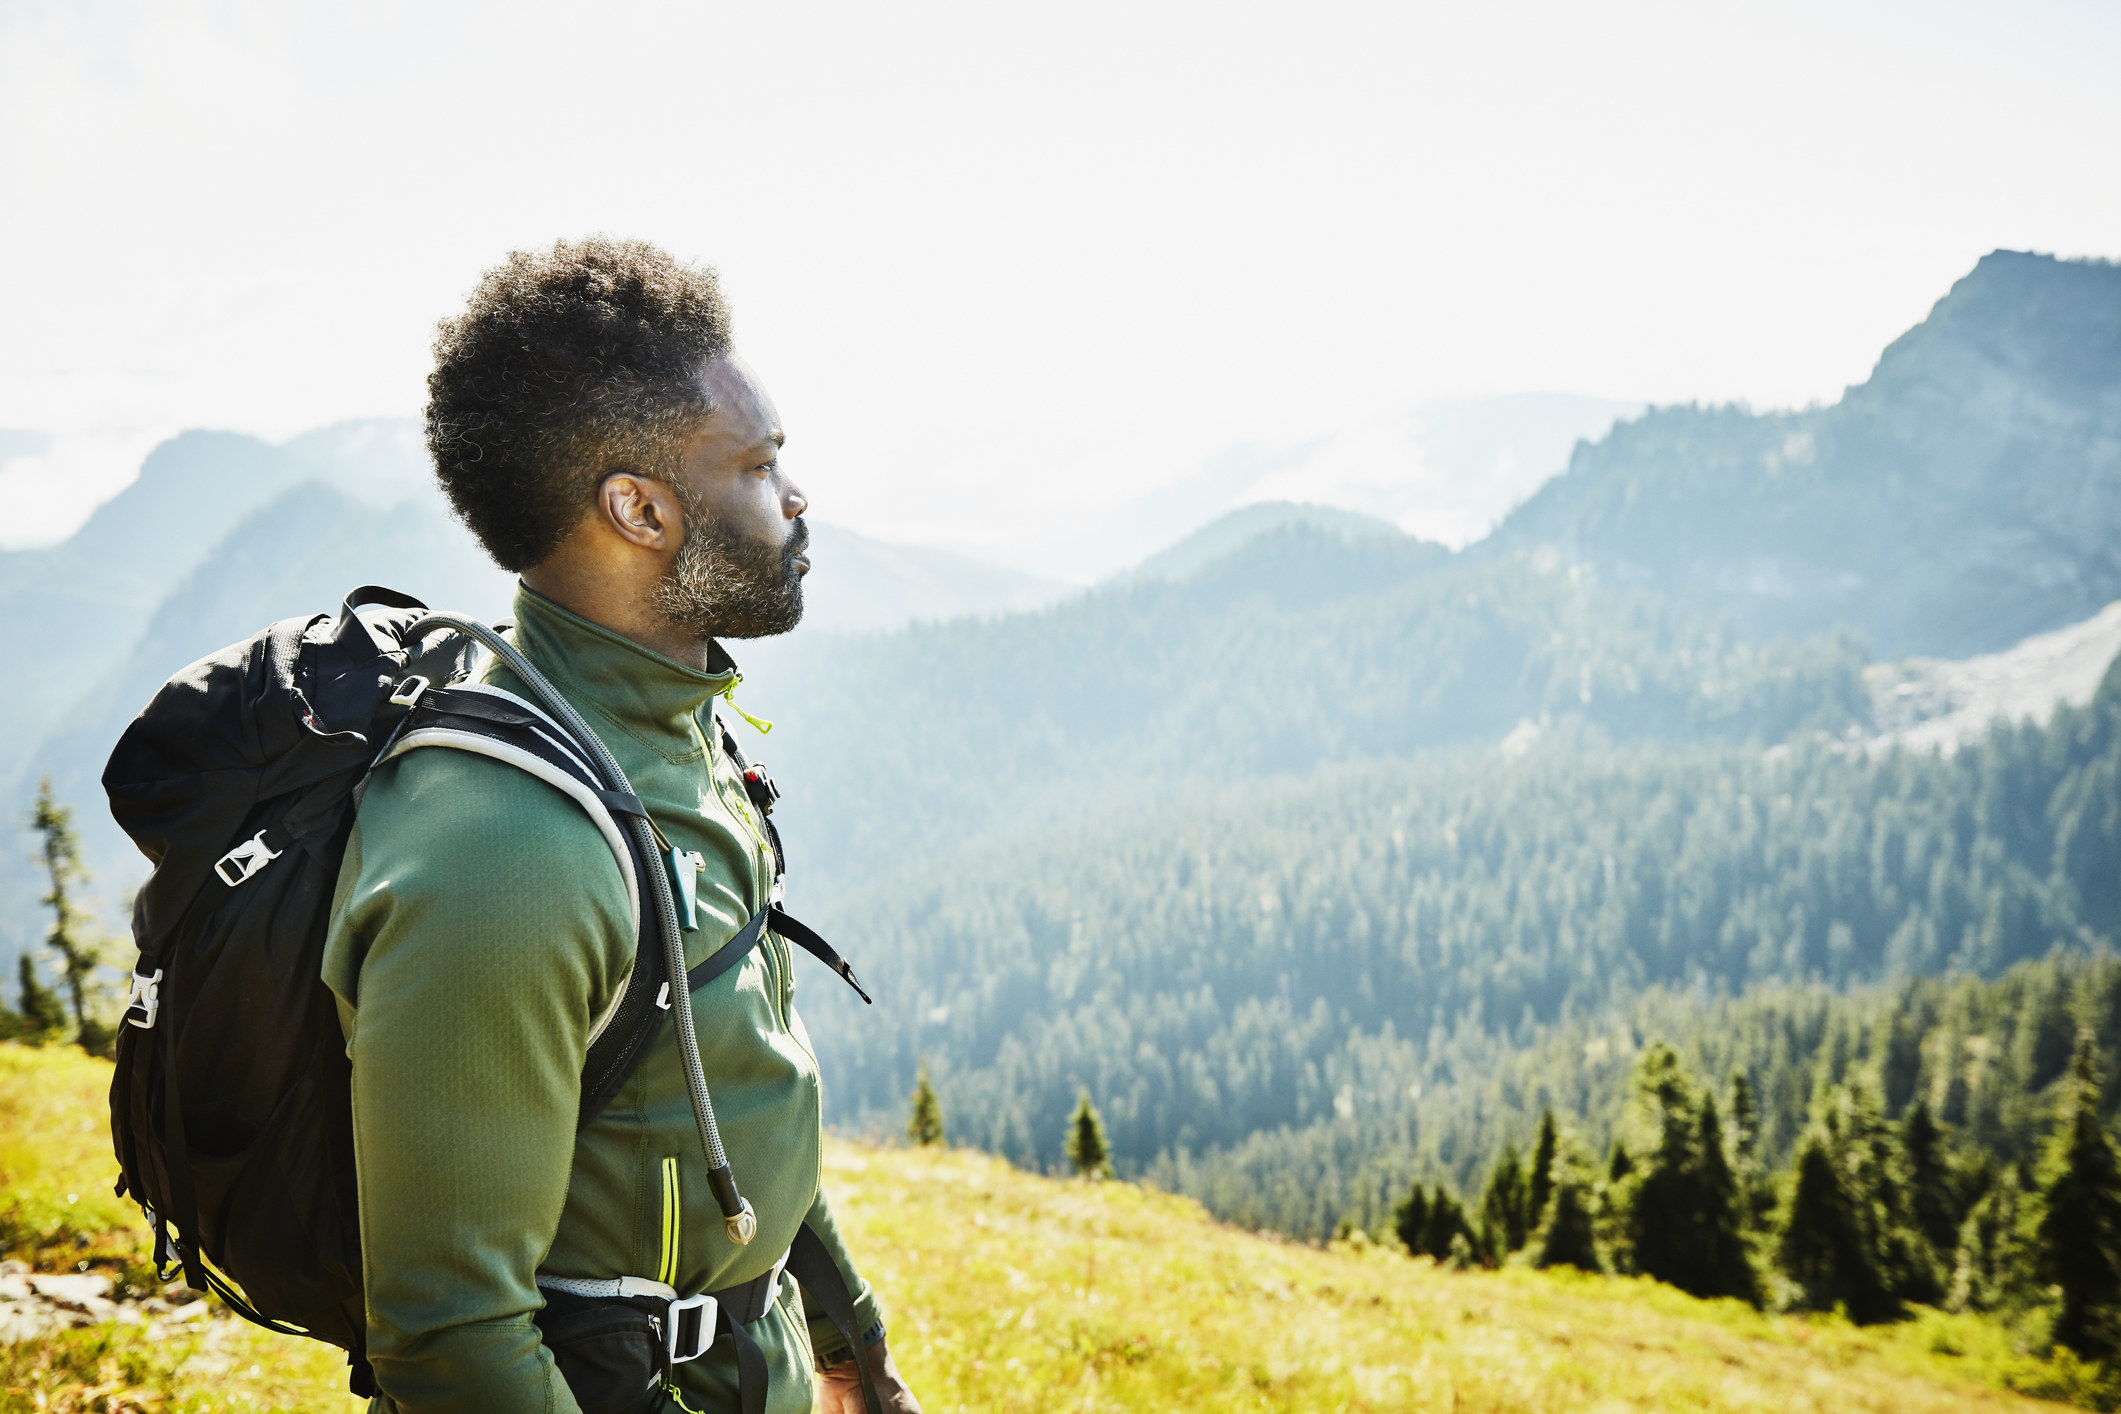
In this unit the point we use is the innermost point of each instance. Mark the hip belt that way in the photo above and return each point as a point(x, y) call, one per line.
point(692, 1322)
point(615, 1338)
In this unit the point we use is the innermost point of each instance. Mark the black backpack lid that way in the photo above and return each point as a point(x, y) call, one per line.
point(240, 726)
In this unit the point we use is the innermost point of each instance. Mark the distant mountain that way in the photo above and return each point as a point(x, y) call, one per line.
point(1228, 533)
point(860, 585)
point(69, 611)
point(1447, 470)
point(1966, 495)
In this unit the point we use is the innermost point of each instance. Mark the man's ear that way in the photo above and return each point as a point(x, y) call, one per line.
point(642, 511)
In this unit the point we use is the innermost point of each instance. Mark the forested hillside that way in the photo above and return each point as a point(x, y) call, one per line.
point(1302, 648)
point(1341, 956)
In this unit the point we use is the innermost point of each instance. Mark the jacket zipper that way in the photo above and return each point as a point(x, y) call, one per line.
point(673, 1223)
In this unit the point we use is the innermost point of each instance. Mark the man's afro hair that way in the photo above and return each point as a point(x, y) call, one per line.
point(568, 366)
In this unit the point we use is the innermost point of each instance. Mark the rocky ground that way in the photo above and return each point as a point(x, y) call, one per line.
point(34, 1304)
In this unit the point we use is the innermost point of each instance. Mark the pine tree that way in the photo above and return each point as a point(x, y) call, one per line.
point(1503, 1206)
point(1868, 1154)
point(1568, 1237)
point(926, 1126)
point(1683, 1220)
point(1410, 1220)
point(1933, 1188)
point(2077, 1239)
point(1086, 1140)
point(70, 930)
point(1544, 1151)
point(1447, 1224)
point(1991, 1267)
point(1825, 1248)
point(1756, 1192)
point(43, 1014)
point(1725, 1262)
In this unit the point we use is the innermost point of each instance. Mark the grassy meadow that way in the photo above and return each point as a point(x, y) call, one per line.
point(1008, 1291)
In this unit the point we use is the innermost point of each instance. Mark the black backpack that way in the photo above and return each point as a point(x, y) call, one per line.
point(231, 1106)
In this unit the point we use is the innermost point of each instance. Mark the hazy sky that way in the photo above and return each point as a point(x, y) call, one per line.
point(1005, 266)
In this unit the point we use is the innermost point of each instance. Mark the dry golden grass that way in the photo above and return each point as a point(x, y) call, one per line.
point(1012, 1292)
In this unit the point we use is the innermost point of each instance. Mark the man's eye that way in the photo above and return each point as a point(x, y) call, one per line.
point(769, 467)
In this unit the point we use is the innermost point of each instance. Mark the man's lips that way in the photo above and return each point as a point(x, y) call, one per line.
point(802, 562)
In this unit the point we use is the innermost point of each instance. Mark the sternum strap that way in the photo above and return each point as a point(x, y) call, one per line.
point(776, 919)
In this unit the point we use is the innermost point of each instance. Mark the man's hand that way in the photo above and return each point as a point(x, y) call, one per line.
point(839, 1389)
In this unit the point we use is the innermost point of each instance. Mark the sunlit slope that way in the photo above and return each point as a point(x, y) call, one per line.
point(1007, 1291)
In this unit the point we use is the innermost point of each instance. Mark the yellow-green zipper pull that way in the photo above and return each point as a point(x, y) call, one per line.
point(729, 696)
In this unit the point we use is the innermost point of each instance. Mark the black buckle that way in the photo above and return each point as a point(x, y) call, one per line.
point(758, 784)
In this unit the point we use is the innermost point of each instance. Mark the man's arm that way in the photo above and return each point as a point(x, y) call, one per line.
point(839, 1384)
point(480, 924)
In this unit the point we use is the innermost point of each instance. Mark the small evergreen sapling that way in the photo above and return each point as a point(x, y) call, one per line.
point(926, 1126)
point(1087, 1150)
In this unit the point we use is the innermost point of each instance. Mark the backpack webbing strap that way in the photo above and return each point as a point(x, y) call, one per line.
point(775, 919)
point(796, 931)
point(750, 1365)
point(823, 1286)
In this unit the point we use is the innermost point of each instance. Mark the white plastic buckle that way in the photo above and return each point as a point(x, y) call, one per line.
point(408, 691)
point(146, 997)
point(691, 1328)
point(245, 860)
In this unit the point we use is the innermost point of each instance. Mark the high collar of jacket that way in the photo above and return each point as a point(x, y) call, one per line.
point(636, 687)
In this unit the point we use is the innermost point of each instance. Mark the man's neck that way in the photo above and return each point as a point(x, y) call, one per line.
point(619, 606)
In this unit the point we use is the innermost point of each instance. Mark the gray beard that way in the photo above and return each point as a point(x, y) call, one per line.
point(723, 586)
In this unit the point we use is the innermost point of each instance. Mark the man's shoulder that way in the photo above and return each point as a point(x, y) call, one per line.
point(487, 827)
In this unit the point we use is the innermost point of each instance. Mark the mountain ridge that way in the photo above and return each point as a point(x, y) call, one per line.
point(1968, 493)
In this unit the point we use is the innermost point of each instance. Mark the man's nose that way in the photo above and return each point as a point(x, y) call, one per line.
point(793, 501)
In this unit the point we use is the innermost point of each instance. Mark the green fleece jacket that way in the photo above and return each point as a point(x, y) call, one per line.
point(480, 931)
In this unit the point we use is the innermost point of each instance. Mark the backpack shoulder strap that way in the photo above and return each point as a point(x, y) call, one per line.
point(487, 721)
point(491, 722)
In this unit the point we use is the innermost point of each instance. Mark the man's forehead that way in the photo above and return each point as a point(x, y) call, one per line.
point(743, 409)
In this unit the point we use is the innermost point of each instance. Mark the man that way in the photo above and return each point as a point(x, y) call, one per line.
point(592, 425)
